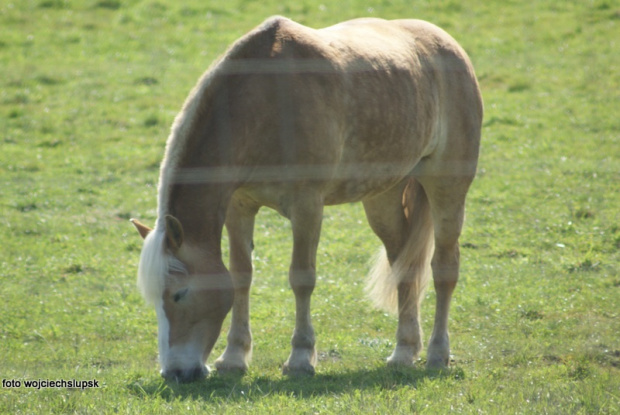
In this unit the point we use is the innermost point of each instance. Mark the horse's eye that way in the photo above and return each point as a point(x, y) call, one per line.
point(180, 294)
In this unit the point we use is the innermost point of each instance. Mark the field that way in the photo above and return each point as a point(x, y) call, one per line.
point(88, 90)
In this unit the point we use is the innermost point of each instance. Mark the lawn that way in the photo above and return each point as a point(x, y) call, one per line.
point(88, 90)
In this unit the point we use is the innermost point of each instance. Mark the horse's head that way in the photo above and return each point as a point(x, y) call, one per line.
point(192, 293)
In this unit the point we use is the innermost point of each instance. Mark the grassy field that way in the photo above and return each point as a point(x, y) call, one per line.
point(88, 90)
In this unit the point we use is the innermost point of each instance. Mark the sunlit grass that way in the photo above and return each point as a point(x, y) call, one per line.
point(87, 94)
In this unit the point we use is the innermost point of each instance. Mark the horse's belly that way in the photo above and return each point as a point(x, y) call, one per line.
point(345, 184)
point(355, 182)
point(354, 191)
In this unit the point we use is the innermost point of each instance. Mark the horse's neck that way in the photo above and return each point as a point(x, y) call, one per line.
point(201, 209)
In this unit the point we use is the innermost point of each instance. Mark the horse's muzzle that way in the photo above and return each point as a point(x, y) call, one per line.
point(187, 375)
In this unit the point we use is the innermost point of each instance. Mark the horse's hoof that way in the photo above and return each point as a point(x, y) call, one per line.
point(398, 363)
point(227, 369)
point(437, 364)
point(298, 372)
point(231, 371)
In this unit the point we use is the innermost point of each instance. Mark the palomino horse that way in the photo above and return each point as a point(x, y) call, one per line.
point(383, 112)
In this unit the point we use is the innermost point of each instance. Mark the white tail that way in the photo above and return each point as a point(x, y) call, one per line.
point(413, 262)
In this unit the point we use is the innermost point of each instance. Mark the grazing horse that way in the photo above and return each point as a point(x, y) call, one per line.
point(384, 112)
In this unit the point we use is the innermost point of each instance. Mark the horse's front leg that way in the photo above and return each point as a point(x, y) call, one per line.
point(306, 216)
point(240, 226)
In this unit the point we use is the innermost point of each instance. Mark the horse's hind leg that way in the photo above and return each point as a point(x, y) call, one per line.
point(305, 213)
point(447, 199)
point(240, 226)
point(407, 242)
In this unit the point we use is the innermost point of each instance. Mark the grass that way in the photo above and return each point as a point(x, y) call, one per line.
point(87, 93)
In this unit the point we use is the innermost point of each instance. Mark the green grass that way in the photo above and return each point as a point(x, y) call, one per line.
point(88, 90)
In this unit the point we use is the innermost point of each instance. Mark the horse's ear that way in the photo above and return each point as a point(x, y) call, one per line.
point(174, 233)
point(143, 230)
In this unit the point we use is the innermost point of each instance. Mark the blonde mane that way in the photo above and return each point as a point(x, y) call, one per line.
point(153, 267)
point(155, 261)
point(155, 264)
point(176, 145)
point(180, 133)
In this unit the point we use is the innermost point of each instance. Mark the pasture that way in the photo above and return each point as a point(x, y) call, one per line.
point(88, 90)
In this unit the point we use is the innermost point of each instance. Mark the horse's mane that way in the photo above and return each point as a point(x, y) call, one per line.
point(153, 267)
point(155, 261)
point(155, 264)
point(176, 144)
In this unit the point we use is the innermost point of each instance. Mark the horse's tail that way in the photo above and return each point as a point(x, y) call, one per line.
point(413, 262)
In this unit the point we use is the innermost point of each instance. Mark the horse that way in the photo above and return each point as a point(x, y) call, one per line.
point(388, 113)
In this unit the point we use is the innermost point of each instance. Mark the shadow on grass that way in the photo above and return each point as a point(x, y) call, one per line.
point(250, 388)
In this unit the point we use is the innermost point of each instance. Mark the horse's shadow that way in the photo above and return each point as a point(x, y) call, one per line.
point(249, 388)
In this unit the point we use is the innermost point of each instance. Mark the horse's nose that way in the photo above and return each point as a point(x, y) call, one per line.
point(185, 375)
